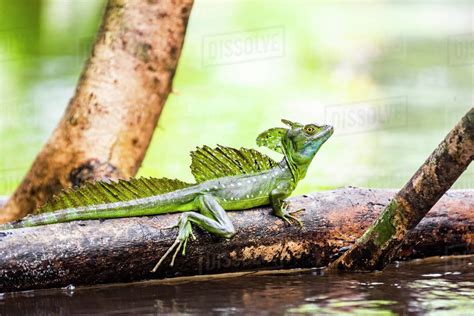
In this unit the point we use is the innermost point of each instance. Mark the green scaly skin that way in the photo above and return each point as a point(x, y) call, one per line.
point(212, 198)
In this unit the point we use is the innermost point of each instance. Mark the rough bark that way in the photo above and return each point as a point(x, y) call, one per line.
point(108, 124)
point(378, 246)
point(123, 250)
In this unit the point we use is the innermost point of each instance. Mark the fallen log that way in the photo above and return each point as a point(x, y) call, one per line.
point(124, 250)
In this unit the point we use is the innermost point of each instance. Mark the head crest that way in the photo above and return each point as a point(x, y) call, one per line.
point(292, 124)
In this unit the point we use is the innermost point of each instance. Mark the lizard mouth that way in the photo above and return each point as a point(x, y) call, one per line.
point(321, 137)
point(327, 131)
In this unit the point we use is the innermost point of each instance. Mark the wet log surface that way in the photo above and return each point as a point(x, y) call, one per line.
point(124, 250)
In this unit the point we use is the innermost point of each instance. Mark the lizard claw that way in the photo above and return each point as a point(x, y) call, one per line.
point(288, 216)
point(171, 226)
point(170, 249)
point(181, 241)
point(290, 219)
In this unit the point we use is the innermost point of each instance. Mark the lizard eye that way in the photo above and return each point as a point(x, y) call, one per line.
point(310, 129)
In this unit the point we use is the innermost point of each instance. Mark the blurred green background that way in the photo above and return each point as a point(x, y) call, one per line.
point(392, 78)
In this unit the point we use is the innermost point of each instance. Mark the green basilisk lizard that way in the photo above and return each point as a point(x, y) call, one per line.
point(227, 179)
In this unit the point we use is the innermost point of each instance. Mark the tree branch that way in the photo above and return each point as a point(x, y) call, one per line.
point(108, 124)
point(126, 249)
point(378, 246)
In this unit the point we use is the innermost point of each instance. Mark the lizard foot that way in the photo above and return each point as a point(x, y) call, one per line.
point(184, 232)
point(288, 216)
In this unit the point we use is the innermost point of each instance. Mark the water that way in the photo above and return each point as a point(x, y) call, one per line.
point(434, 286)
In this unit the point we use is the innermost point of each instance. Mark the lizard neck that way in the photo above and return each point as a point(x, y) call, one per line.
point(293, 171)
point(298, 171)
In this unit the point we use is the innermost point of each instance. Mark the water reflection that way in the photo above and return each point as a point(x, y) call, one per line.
point(439, 294)
point(441, 286)
point(346, 307)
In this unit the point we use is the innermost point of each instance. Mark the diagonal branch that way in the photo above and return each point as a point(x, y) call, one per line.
point(379, 244)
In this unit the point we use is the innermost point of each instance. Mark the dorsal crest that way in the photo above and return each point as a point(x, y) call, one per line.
point(100, 192)
point(211, 163)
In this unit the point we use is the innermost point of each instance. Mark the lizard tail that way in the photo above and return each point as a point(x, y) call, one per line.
point(7, 226)
point(30, 221)
point(177, 201)
point(84, 213)
point(60, 216)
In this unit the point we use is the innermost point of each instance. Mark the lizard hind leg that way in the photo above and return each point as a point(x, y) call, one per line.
point(212, 217)
point(184, 231)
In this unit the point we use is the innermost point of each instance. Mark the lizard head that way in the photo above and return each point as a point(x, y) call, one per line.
point(299, 143)
point(302, 142)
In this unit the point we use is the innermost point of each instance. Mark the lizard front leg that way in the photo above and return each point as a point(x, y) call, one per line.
point(279, 205)
point(212, 217)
